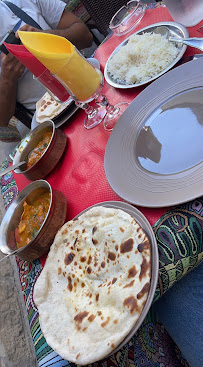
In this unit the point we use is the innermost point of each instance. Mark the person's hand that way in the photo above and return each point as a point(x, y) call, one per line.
point(27, 28)
point(11, 68)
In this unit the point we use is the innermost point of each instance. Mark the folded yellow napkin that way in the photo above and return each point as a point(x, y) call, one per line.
point(60, 56)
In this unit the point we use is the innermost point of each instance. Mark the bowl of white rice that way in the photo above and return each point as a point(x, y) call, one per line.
point(144, 56)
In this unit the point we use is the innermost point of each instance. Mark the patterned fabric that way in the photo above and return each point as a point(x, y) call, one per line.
point(179, 235)
point(10, 133)
point(9, 189)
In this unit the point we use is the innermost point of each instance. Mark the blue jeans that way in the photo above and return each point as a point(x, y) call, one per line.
point(180, 310)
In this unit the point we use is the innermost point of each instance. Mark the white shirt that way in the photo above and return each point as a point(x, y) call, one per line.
point(47, 13)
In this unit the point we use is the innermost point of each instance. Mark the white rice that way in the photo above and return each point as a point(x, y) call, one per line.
point(143, 57)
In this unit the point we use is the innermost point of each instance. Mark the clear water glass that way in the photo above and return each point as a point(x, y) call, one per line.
point(187, 12)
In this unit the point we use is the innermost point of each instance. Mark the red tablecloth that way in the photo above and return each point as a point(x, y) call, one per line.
point(80, 174)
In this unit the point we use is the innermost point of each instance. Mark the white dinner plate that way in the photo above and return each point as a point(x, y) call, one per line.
point(177, 29)
point(143, 222)
point(154, 155)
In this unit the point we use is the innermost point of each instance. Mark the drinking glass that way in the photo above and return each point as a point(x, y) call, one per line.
point(60, 94)
point(187, 12)
point(84, 83)
point(53, 86)
point(94, 116)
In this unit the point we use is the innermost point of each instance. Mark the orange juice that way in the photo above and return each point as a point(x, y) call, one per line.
point(80, 77)
point(59, 56)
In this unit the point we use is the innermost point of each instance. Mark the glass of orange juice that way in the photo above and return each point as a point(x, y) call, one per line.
point(84, 82)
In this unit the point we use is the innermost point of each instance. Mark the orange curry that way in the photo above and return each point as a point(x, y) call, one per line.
point(37, 152)
point(32, 219)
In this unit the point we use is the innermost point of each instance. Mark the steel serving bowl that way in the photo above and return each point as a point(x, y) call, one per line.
point(54, 220)
point(49, 158)
point(175, 29)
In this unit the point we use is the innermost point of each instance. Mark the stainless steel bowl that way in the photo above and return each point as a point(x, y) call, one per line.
point(175, 28)
point(55, 218)
point(49, 158)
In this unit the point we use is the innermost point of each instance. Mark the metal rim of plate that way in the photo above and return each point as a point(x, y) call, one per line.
point(66, 115)
point(143, 222)
point(173, 26)
point(124, 173)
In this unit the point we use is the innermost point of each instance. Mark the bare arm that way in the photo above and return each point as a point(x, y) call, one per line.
point(11, 70)
point(69, 27)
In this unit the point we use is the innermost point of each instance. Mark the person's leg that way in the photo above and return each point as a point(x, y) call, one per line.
point(180, 310)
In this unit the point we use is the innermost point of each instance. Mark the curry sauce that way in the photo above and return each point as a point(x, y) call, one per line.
point(32, 219)
point(38, 151)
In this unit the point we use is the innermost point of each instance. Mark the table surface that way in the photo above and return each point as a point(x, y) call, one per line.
point(80, 176)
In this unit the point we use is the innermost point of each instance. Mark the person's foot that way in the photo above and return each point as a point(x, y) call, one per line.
point(9, 134)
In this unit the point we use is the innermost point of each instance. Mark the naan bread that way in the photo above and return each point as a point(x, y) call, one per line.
point(47, 108)
point(94, 284)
